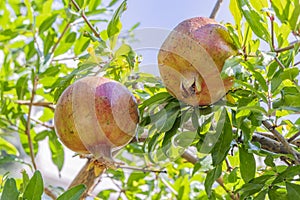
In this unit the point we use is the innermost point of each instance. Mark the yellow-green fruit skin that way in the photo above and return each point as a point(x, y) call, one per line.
point(95, 115)
point(191, 58)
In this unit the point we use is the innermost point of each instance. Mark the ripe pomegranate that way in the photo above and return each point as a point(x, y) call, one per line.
point(95, 115)
point(191, 58)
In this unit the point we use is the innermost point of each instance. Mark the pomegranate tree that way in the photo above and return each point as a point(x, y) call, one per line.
point(95, 115)
point(191, 58)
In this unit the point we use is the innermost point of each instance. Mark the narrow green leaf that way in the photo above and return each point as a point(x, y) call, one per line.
point(247, 164)
point(293, 190)
point(276, 193)
point(93, 4)
point(123, 50)
point(10, 191)
point(47, 23)
point(73, 193)
point(57, 151)
point(289, 173)
point(35, 187)
point(25, 181)
point(261, 195)
point(256, 22)
point(114, 26)
point(249, 189)
point(211, 176)
point(222, 146)
point(8, 147)
point(155, 99)
point(235, 12)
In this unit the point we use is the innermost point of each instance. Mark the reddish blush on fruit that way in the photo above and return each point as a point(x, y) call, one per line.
point(95, 115)
point(191, 59)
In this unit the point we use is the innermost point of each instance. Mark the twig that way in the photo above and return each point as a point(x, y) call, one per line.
point(272, 31)
point(229, 168)
point(141, 169)
point(297, 63)
point(60, 38)
point(283, 141)
point(50, 193)
point(291, 46)
point(28, 125)
point(85, 19)
point(294, 137)
point(216, 9)
point(41, 104)
point(62, 59)
point(280, 63)
point(42, 123)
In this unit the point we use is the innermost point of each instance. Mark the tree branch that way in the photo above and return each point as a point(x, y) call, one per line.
point(291, 46)
point(282, 140)
point(216, 9)
point(89, 175)
point(294, 137)
point(28, 124)
point(41, 104)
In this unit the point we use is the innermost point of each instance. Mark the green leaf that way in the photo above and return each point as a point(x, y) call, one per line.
point(293, 190)
point(123, 50)
point(57, 151)
point(269, 161)
point(164, 120)
point(25, 181)
point(47, 23)
point(8, 147)
point(289, 173)
point(233, 177)
point(73, 193)
point(289, 73)
point(254, 186)
point(22, 87)
point(235, 12)
point(66, 44)
point(276, 193)
point(10, 191)
point(256, 22)
point(35, 187)
point(93, 4)
point(247, 164)
point(261, 195)
point(211, 176)
point(80, 45)
point(114, 26)
point(249, 189)
point(155, 99)
point(224, 130)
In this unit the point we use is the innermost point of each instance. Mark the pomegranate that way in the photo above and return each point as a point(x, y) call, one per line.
point(191, 58)
point(96, 115)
